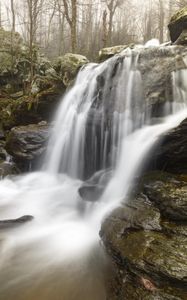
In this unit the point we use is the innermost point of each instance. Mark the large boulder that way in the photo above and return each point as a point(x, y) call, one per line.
point(158, 66)
point(67, 66)
point(182, 40)
point(147, 241)
point(171, 152)
point(178, 23)
point(107, 53)
point(27, 144)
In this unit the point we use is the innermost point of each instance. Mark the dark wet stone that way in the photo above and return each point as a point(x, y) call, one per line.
point(178, 23)
point(138, 213)
point(169, 193)
point(26, 143)
point(182, 39)
point(171, 153)
point(4, 224)
point(147, 241)
point(90, 193)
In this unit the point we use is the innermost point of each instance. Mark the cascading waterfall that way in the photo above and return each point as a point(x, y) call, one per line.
point(103, 132)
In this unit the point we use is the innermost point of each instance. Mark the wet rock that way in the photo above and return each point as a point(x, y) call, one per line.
point(178, 23)
point(27, 143)
point(169, 192)
point(138, 213)
point(147, 241)
point(157, 66)
point(8, 169)
point(90, 193)
point(182, 39)
point(92, 189)
point(171, 153)
point(3, 153)
point(5, 224)
point(131, 287)
point(67, 66)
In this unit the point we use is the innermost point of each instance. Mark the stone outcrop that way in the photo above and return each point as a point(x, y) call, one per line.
point(67, 66)
point(171, 152)
point(182, 39)
point(177, 24)
point(147, 239)
point(26, 144)
point(107, 53)
point(157, 66)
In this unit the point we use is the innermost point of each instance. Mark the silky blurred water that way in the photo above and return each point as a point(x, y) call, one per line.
point(58, 255)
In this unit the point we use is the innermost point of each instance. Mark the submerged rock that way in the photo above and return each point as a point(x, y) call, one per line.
point(90, 193)
point(178, 23)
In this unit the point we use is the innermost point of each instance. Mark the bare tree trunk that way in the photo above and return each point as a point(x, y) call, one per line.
point(112, 6)
point(13, 16)
point(31, 34)
point(0, 16)
point(161, 21)
point(71, 17)
point(74, 26)
point(105, 31)
point(13, 33)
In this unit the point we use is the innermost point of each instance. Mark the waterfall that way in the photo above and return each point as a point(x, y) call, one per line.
point(103, 133)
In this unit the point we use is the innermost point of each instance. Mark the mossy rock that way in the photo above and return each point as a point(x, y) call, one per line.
point(6, 64)
point(7, 38)
point(178, 23)
point(33, 108)
point(8, 169)
point(67, 66)
point(107, 53)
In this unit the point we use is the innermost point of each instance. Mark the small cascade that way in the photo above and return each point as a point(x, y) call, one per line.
point(104, 130)
point(105, 103)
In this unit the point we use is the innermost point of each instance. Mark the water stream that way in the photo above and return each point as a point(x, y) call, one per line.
point(103, 131)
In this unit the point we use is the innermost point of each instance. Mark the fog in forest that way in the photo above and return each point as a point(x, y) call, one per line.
point(85, 26)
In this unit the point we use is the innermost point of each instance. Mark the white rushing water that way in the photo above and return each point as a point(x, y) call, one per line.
point(57, 255)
